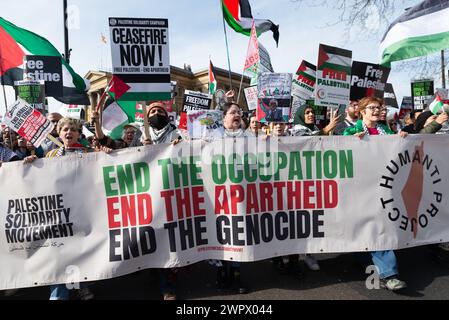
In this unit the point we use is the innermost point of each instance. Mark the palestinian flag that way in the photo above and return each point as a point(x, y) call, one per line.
point(16, 42)
point(437, 105)
point(421, 30)
point(335, 59)
point(306, 73)
point(118, 113)
point(237, 14)
point(212, 79)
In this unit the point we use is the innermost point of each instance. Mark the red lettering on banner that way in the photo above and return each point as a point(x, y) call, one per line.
point(222, 205)
point(294, 195)
point(308, 195)
point(144, 205)
point(252, 201)
point(197, 200)
point(335, 75)
point(128, 204)
point(112, 212)
point(280, 196)
point(237, 196)
point(183, 203)
point(266, 197)
point(330, 192)
point(167, 195)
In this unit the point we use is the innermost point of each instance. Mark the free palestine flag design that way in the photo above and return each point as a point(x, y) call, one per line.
point(303, 85)
point(212, 79)
point(421, 30)
point(16, 43)
point(437, 105)
point(333, 77)
point(237, 14)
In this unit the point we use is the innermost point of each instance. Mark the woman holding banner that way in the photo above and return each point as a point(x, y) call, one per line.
point(69, 131)
point(232, 121)
point(385, 261)
point(229, 274)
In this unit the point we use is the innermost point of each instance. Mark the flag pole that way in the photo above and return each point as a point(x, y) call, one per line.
point(227, 46)
point(66, 33)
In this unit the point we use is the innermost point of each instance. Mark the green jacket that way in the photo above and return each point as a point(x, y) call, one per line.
point(358, 128)
point(431, 128)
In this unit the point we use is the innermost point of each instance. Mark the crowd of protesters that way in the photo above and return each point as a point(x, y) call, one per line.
point(368, 116)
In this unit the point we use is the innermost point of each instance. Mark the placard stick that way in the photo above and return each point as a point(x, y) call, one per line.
point(146, 126)
point(54, 140)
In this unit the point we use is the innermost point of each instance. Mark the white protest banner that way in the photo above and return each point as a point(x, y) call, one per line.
point(303, 85)
point(333, 77)
point(140, 57)
point(274, 94)
point(29, 123)
point(205, 124)
point(193, 101)
point(251, 98)
point(236, 200)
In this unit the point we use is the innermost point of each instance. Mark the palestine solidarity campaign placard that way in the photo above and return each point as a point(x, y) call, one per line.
point(140, 57)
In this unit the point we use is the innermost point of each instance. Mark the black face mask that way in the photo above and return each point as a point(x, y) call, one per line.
point(158, 121)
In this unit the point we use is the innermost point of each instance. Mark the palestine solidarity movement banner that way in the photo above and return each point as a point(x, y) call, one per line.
point(171, 206)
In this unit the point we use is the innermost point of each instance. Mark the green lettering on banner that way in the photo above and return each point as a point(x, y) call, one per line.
point(281, 163)
point(309, 155)
point(108, 181)
point(217, 168)
point(250, 160)
point(235, 176)
point(180, 169)
point(319, 166)
point(330, 165)
point(164, 163)
point(125, 179)
point(264, 165)
point(195, 170)
point(295, 169)
point(142, 180)
point(346, 164)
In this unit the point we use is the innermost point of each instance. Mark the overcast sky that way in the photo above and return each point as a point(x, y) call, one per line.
point(196, 32)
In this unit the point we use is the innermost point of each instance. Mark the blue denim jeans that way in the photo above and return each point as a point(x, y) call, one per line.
point(385, 262)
